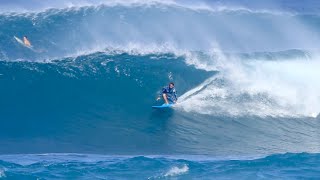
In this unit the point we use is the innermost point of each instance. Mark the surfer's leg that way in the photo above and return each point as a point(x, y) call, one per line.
point(165, 98)
point(170, 100)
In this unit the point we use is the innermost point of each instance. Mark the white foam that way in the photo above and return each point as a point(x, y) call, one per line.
point(175, 171)
point(314, 114)
point(71, 4)
point(261, 88)
point(2, 173)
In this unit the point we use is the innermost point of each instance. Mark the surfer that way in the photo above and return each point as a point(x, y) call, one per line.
point(26, 41)
point(168, 94)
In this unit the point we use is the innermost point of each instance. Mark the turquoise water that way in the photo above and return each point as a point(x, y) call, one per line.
point(79, 106)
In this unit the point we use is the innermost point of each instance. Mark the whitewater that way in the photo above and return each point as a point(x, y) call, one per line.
point(79, 106)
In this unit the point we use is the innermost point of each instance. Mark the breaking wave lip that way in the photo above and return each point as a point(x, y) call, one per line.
point(258, 88)
point(95, 40)
point(205, 60)
point(199, 6)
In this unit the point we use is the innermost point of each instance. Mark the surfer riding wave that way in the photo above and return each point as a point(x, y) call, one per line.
point(168, 94)
point(26, 41)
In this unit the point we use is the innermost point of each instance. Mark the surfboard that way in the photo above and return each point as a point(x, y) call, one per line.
point(21, 42)
point(163, 106)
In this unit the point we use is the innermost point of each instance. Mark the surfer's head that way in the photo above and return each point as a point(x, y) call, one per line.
point(171, 85)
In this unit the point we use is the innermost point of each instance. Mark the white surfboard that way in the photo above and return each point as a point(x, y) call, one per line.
point(163, 106)
point(22, 43)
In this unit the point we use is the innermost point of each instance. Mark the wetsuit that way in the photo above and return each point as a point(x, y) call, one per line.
point(171, 94)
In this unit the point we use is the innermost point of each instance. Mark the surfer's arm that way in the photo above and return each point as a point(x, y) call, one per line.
point(160, 94)
point(175, 97)
point(163, 91)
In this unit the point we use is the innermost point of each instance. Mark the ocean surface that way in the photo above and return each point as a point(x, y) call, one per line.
point(78, 104)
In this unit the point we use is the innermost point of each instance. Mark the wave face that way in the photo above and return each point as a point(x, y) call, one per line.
point(247, 81)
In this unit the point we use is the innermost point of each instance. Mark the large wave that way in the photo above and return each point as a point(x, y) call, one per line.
point(97, 69)
point(61, 32)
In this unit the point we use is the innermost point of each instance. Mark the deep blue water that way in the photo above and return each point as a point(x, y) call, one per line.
point(75, 166)
point(78, 106)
